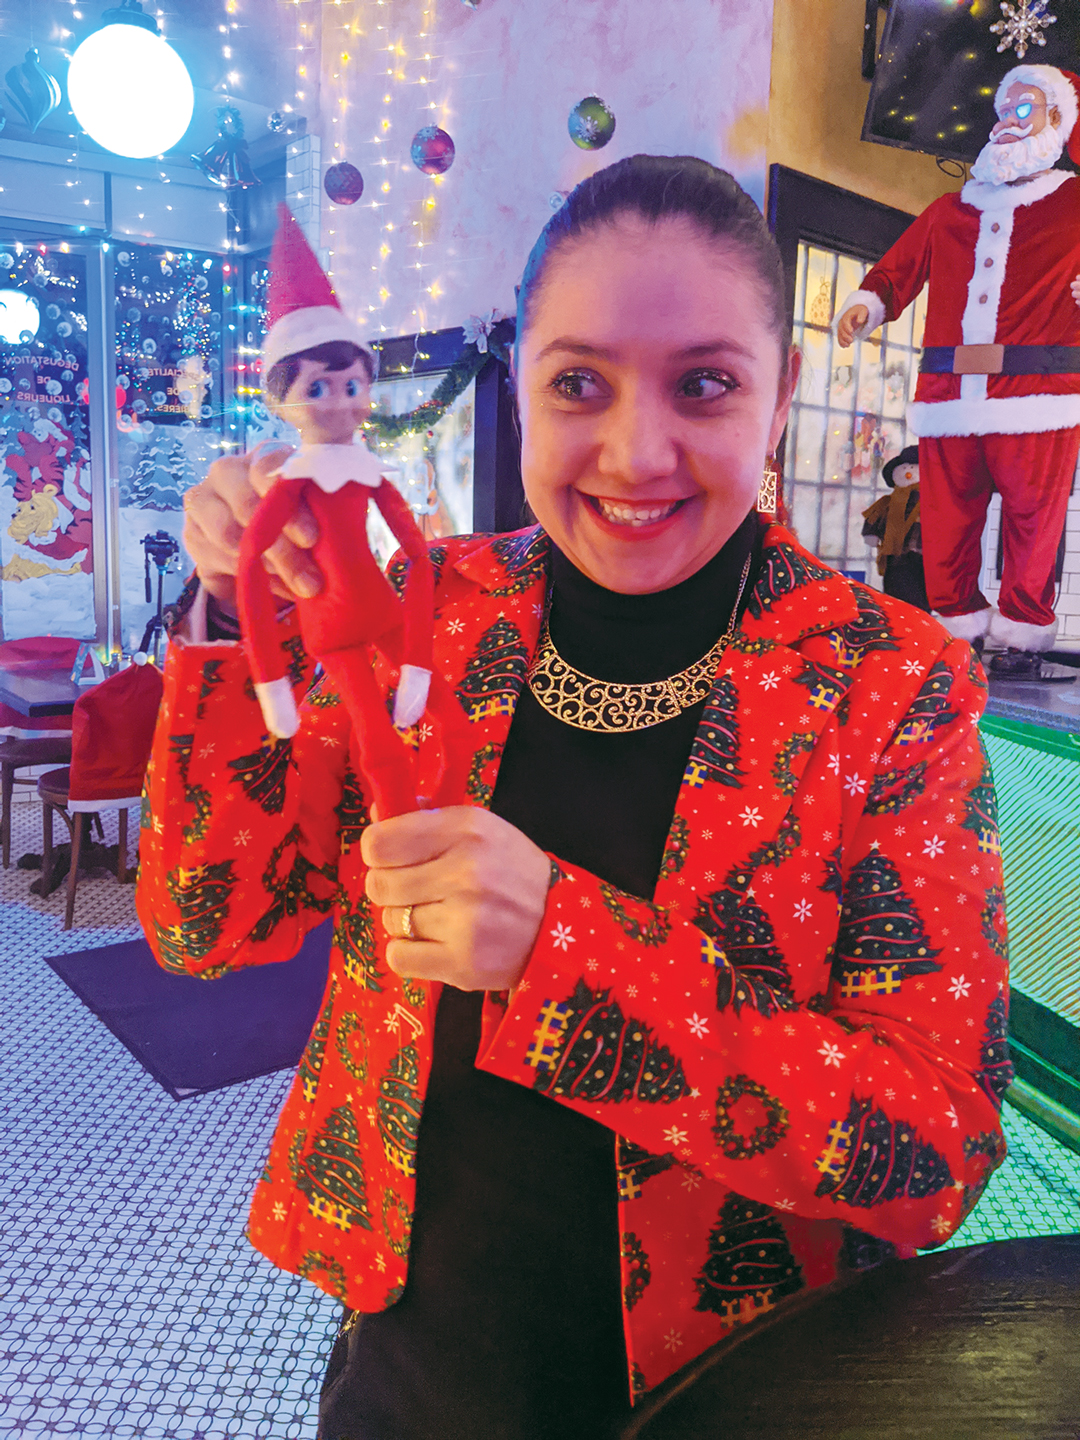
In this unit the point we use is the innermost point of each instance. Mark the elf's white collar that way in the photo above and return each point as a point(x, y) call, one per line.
point(1010, 197)
point(332, 466)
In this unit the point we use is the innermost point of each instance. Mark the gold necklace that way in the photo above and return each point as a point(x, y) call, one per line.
point(612, 708)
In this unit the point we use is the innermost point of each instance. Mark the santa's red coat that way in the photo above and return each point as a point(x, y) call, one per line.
point(999, 260)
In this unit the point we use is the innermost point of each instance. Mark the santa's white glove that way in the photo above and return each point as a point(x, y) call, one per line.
point(1075, 288)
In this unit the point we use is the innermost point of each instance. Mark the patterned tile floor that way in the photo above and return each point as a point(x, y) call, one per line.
point(131, 1304)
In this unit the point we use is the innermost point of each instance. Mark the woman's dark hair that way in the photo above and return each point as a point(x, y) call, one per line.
point(334, 354)
point(662, 187)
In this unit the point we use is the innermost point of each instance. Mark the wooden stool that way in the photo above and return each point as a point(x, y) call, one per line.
point(15, 755)
point(53, 790)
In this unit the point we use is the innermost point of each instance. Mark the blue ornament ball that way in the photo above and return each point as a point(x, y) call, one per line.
point(276, 122)
point(343, 183)
point(591, 124)
point(432, 150)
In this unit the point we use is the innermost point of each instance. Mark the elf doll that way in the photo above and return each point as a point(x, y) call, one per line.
point(318, 377)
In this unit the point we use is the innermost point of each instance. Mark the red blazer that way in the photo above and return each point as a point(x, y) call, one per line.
point(801, 1041)
point(999, 261)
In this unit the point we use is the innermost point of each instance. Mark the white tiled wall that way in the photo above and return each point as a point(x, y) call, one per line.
point(1067, 605)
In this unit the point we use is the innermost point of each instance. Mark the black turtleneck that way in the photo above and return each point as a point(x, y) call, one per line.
point(510, 1326)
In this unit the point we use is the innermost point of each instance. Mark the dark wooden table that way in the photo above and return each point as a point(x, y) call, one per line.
point(981, 1343)
point(37, 693)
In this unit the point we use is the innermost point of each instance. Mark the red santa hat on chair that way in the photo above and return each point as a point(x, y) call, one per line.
point(1061, 88)
point(303, 308)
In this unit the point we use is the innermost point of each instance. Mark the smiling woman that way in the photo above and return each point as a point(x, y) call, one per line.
point(697, 1002)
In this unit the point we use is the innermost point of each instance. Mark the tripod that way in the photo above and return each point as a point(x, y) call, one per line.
point(163, 549)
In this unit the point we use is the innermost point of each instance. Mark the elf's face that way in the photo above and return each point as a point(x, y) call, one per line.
point(327, 406)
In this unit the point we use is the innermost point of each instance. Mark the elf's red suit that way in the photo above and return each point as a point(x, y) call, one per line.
point(999, 260)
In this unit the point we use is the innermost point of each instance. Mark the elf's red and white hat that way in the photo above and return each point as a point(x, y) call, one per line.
point(1061, 88)
point(303, 309)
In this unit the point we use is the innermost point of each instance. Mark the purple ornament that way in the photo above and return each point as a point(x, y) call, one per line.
point(432, 150)
point(343, 183)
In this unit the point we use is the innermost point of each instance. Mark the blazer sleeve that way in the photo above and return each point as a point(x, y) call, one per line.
point(874, 1101)
point(240, 833)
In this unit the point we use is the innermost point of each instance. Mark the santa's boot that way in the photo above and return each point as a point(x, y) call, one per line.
point(1024, 647)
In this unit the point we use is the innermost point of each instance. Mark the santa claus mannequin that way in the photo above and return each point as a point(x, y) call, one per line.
point(318, 377)
point(998, 400)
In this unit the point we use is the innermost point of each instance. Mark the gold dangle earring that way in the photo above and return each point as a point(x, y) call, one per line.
point(768, 500)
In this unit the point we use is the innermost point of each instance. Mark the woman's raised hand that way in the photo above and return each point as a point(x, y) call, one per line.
point(217, 510)
point(477, 888)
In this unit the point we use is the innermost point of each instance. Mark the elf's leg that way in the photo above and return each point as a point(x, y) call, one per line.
point(453, 733)
point(1034, 474)
point(954, 492)
point(386, 764)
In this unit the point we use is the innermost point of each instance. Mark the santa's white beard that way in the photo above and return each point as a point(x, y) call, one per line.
point(998, 164)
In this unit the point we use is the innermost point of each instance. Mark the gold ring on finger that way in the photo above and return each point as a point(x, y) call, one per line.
point(407, 931)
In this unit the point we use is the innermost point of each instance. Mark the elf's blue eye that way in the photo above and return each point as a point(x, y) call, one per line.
point(1023, 111)
point(352, 389)
point(318, 389)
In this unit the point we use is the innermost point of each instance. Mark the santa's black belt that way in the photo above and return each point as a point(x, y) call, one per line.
point(1000, 360)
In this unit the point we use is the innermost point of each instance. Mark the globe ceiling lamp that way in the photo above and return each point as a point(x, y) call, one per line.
point(128, 88)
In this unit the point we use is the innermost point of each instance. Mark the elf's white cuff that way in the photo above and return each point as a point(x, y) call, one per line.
point(278, 707)
point(411, 697)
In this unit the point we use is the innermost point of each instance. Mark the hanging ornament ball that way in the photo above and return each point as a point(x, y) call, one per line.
point(130, 90)
point(276, 122)
point(343, 183)
point(591, 123)
point(432, 150)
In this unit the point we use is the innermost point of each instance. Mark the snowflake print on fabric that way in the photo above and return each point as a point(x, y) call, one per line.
point(882, 939)
point(477, 788)
point(636, 1165)
point(637, 1269)
point(324, 1271)
point(783, 570)
point(332, 1173)
point(993, 922)
point(750, 1265)
point(495, 672)
point(650, 926)
point(714, 755)
point(869, 1159)
point(523, 557)
point(801, 743)
point(859, 637)
point(351, 1045)
point(399, 1110)
point(981, 811)
point(396, 1222)
point(211, 679)
point(291, 892)
point(995, 1073)
point(989, 1147)
point(754, 1103)
point(676, 848)
point(354, 935)
point(826, 685)
point(197, 795)
point(352, 811)
point(584, 1048)
point(861, 1251)
point(895, 790)
point(201, 894)
point(311, 1062)
point(784, 844)
point(751, 969)
point(929, 711)
point(263, 774)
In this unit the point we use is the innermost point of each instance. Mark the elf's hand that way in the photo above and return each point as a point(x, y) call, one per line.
point(216, 512)
point(477, 888)
point(1075, 288)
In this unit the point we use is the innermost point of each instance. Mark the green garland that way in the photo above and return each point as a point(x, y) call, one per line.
point(388, 428)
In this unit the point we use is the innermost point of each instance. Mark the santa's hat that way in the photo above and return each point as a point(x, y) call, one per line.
point(1061, 88)
point(303, 309)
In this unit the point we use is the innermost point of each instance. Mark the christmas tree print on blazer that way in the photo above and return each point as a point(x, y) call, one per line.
point(637, 1270)
point(740, 942)
point(868, 632)
point(993, 921)
point(332, 1173)
point(584, 1048)
point(352, 812)
point(750, 1265)
point(827, 686)
point(636, 1165)
point(676, 848)
point(650, 926)
point(989, 1147)
point(311, 1062)
point(324, 1271)
point(524, 560)
point(396, 1222)
point(495, 673)
point(180, 747)
point(291, 892)
point(981, 811)
point(995, 1073)
point(263, 774)
point(399, 1110)
point(714, 755)
point(882, 939)
point(783, 570)
point(354, 935)
point(869, 1159)
point(201, 894)
point(930, 709)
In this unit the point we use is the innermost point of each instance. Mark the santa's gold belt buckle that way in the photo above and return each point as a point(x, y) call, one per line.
point(978, 359)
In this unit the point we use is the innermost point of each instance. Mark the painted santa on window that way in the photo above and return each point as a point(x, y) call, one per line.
point(318, 377)
point(998, 399)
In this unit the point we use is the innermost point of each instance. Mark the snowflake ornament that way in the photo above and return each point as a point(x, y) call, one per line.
point(1022, 25)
